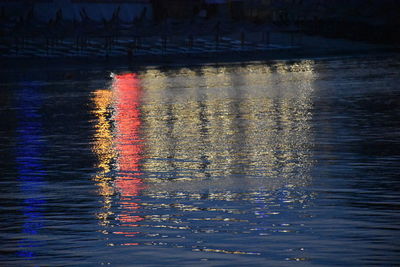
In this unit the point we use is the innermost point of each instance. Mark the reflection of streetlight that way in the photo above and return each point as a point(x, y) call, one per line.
point(30, 168)
point(128, 142)
point(249, 119)
point(120, 145)
point(103, 148)
point(129, 145)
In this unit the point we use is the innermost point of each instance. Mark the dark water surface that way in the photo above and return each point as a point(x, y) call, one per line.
point(278, 164)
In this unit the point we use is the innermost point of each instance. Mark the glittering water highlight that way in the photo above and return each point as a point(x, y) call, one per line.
point(278, 164)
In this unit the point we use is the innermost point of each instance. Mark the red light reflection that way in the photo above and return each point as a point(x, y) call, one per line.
point(129, 145)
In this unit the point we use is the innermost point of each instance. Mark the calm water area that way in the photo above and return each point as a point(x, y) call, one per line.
point(285, 163)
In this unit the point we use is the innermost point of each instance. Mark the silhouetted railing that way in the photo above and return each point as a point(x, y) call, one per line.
point(109, 38)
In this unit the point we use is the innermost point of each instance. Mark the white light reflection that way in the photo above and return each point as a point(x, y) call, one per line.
point(225, 121)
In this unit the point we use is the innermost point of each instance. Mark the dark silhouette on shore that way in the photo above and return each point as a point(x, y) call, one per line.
point(160, 23)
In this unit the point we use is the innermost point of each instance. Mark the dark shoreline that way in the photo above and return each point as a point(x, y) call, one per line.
point(191, 60)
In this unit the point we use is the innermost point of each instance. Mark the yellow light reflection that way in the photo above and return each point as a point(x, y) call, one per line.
point(230, 120)
point(103, 148)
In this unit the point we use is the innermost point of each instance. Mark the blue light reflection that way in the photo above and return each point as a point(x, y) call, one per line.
point(29, 151)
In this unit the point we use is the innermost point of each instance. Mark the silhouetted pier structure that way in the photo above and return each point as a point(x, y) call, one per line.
point(88, 38)
point(28, 35)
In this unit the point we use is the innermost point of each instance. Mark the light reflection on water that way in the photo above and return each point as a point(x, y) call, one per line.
point(122, 148)
point(215, 125)
point(30, 168)
point(202, 135)
point(286, 163)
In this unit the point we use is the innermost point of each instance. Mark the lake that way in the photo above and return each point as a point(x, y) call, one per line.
point(282, 163)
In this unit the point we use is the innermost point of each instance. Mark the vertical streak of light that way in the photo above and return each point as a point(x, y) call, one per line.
point(129, 146)
point(104, 150)
point(30, 168)
point(118, 145)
